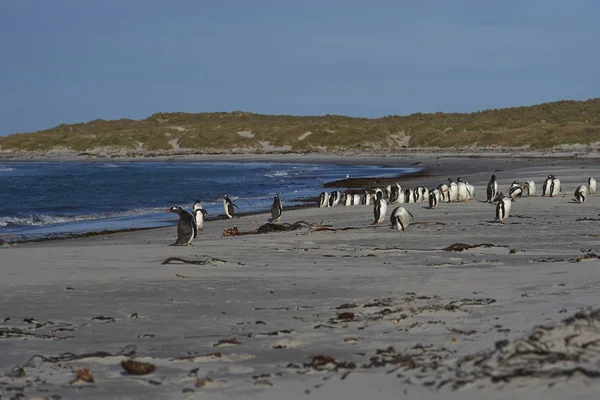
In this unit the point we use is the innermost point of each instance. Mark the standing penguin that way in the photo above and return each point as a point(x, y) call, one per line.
point(452, 190)
point(529, 188)
point(492, 189)
point(356, 200)
point(434, 198)
point(199, 214)
point(276, 208)
point(400, 218)
point(470, 191)
point(444, 193)
point(229, 206)
point(186, 227)
point(555, 188)
point(324, 200)
point(546, 186)
point(503, 207)
point(580, 193)
point(591, 185)
point(379, 208)
point(463, 193)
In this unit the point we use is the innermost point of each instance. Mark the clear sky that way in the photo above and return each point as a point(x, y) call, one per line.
point(66, 61)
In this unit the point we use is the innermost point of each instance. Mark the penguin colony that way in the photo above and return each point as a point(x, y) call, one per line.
point(453, 191)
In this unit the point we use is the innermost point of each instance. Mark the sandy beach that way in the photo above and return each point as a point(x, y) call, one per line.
point(322, 313)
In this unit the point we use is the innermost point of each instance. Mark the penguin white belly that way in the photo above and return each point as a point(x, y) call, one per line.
point(380, 210)
point(503, 209)
point(546, 187)
point(356, 200)
point(434, 198)
point(592, 185)
point(199, 220)
point(580, 193)
point(471, 191)
point(324, 200)
point(530, 188)
point(555, 187)
point(453, 192)
point(462, 191)
point(348, 199)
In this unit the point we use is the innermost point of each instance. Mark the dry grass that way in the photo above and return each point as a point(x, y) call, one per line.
point(541, 126)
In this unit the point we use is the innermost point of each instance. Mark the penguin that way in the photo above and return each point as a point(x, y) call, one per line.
point(199, 214)
point(452, 190)
point(591, 185)
point(356, 200)
point(492, 189)
point(555, 188)
point(365, 200)
point(186, 227)
point(546, 186)
point(422, 194)
point(400, 218)
point(348, 199)
point(276, 208)
point(503, 207)
point(395, 193)
point(580, 193)
point(229, 206)
point(463, 193)
point(444, 193)
point(323, 200)
point(434, 198)
point(470, 191)
point(397, 189)
point(515, 190)
point(377, 190)
point(388, 192)
point(379, 209)
point(409, 196)
point(529, 188)
point(334, 198)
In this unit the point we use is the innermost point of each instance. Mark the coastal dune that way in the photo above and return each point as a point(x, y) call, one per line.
point(338, 308)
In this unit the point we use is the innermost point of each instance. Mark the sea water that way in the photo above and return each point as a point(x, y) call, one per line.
point(53, 199)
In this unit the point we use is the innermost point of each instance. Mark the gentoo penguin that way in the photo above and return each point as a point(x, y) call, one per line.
point(400, 218)
point(591, 185)
point(492, 189)
point(555, 188)
point(228, 206)
point(434, 198)
point(276, 208)
point(397, 189)
point(529, 188)
point(186, 227)
point(199, 214)
point(515, 191)
point(580, 193)
point(388, 192)
point(422, 194)
point(334, 198)
point(452, 190)
point(324, 200)
point(348, 199)
point(463, 193)
point(470, 191)
point(356, 200)
point(409, 196)
point(503, 207)
point(377, 190)
point(365, 200)
point(546, 186)
point(395, 192)
point(444, 193)
point(379, 209)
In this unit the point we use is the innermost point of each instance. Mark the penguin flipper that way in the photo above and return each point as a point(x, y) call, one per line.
point(235, 206)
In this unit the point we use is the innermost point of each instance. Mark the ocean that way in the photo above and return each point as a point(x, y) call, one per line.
point(55, 199)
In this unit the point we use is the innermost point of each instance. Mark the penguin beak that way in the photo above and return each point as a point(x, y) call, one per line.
point(169, 210)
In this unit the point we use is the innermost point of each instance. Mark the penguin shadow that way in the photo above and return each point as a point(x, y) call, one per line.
point(573, 201)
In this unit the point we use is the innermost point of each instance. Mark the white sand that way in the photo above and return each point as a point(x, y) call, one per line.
point(277, 294)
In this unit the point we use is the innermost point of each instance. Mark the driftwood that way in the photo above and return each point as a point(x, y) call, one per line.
point(195, 262)
point(269, 227)
point(464, 246)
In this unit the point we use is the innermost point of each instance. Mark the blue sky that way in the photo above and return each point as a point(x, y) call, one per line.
point(66, 61)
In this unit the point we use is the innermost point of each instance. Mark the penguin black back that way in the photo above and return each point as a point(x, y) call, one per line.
point(186, 227)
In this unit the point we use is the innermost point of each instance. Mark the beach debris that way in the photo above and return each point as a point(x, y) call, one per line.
point(209, 261)
point(134, 367)
point(103, 318)
point(194, 357)
point(328, 363)
point(586, 257)
point(346, 316)
point(16, 372)
point(83, 375)
point(465, 246)
point(346, 306)
point(12, 332)
point(227, 342)
point(269, 227)
point(202, 382)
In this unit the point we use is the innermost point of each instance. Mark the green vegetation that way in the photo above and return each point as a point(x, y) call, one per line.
point(540, 126)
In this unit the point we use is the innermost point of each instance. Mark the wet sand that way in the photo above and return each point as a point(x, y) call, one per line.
point(344, 313)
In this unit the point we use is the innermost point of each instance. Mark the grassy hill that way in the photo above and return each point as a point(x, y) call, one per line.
point(540, 126)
